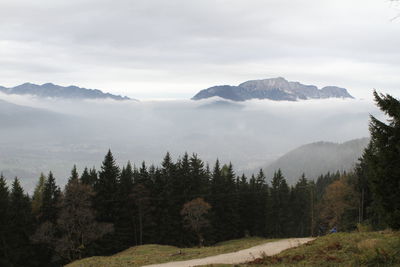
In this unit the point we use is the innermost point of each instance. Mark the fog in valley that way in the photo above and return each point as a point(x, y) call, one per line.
point(39, 135)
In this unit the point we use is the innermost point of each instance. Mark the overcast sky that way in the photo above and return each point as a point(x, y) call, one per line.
point(173, 48)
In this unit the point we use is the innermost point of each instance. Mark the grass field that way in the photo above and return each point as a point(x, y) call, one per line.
point(150, 254)
point(340, 249)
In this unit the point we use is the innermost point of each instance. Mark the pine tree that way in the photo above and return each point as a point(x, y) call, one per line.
point(93, 176)
point(170, 217)
point(300, 206)
point(85, 177)
point(280, 205)
point(74, 175)
point(106, 203)
point(126, 181)
point(245, 210)
point(51, 196)
point(107, 190)
point(224, 200)
point(382, 160)
point(4, 223)
point(199, 178)
point(124, 225)
point(260, 202)
point(37, 198)
point(89, 176)
point(21, 226)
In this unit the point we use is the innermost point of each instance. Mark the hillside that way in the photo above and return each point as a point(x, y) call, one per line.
point(18, 116)
point(274, 89)
point(151, 254)
point(341, 249)
point(318, 158)
point(57, 91)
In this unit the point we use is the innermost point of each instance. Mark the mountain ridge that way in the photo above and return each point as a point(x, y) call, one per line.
point(278, 89)
point(57, 91)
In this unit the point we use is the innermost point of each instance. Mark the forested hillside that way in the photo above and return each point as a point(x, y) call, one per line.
point(115, 208)
point(319, 157)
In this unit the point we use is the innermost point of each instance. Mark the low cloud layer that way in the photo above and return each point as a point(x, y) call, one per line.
point(58, 134)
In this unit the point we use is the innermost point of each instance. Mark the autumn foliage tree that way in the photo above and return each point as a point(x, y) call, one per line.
point(339, 198)
point(194, 215)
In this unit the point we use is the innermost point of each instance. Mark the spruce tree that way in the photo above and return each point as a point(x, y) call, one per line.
point(89, 176)
point(244, 207)
point(85, 177)
point(170, 230)
point(107, 190)
point(280, 205)
point(74, 175)
point(382, 160)
point(21, 226)
point(51, 196)
point(37, 198)
point(260, 202)
point(124, 225)
point(93, 176)
point(224, 200)
point(106, 203)
point(198, 176)
point(300, 206)
point(4, 223)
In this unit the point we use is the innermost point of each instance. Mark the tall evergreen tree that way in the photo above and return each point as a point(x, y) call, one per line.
point(260, 202)
point(89, 176)
point(199, 178)
point(107, 189)
point(106, 201)
point(74, 175)
point(37, 198)
point(93, 176)
point(300, 206)
point(382, 160)
point(124, 225)
point(21, 226)
point(244, 209)
point(280, 205)
point(171, 196)
point(51, 196)
point(4, 223)
point(224, 200)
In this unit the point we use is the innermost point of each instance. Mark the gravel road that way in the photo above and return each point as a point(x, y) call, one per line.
point(270, 248)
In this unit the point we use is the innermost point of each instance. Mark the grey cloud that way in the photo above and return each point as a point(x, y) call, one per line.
point(198, 39)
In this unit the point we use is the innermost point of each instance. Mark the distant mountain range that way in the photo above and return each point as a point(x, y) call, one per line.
point(57, 91)
point(318, 158)
point(274, 89)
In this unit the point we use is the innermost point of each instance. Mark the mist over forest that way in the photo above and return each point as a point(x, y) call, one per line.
point(42, 134)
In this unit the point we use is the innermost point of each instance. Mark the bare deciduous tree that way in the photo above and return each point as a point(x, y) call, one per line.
point(193, 213)
point(76, 226)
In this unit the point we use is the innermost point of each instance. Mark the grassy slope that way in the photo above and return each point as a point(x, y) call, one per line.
point(150, 254)
point(341, 249)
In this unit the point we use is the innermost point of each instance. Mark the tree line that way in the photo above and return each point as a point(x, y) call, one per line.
point(106, 211)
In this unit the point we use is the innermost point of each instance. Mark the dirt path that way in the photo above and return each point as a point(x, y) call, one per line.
point(240, 256)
